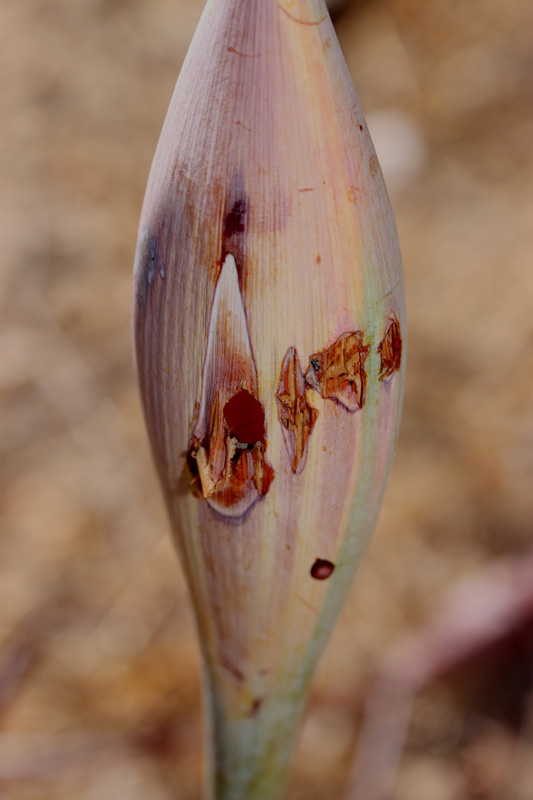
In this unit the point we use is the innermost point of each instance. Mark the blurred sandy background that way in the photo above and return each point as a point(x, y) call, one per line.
point(99, 667)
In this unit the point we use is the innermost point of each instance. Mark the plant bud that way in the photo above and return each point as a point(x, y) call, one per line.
point(269, 321)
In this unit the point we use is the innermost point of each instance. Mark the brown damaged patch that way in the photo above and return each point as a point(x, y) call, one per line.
point(338, 373)
point(390, 349)
point(227, 453)
point(296, 416)
point(232, 474)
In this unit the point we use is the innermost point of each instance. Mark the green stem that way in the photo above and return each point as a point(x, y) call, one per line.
point(250, 755)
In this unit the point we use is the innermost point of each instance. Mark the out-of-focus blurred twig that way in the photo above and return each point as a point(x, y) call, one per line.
point(478, 614)
point(22, 649)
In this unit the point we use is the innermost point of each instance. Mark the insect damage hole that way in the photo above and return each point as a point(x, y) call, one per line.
point(245, 418)
point(230, 461)
point(322, 569)
point(227, 453)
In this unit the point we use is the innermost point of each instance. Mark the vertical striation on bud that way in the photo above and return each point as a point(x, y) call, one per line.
point(269, 320)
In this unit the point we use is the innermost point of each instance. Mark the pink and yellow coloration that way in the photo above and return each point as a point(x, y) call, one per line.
point(269, 315)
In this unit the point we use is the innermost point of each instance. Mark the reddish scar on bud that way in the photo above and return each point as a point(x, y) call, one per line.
point(390, 349)
point(322, 569)
point(296, 416)
point(338, 373)
point(227, 453)
point(235, 219)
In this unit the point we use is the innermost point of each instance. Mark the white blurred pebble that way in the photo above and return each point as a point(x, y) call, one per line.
point(400, 146)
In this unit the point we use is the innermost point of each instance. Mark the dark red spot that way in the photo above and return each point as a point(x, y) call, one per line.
point(235, 220)
point(360, 127)
point(322, 569)
point(245, 418)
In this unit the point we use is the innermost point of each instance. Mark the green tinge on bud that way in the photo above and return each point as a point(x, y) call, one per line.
point(269, 317)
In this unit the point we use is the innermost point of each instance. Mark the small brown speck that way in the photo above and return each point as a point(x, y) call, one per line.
point(256, 705)
point(322, 569)
point(318, 258)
